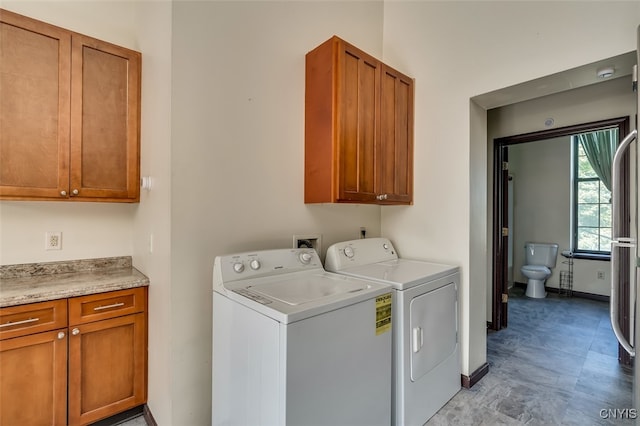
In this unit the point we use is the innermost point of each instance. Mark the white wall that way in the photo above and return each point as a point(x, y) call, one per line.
point(238, 155)
point(458, 50)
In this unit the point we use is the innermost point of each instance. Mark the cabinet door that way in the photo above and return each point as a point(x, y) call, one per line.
point(358, 124)
point(395, 161)
point(34, 108)
point(107, 368)
point(33, 379)
point(105, 116)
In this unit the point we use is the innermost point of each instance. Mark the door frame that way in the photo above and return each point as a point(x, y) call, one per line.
point(499, 314)
point(499, 311)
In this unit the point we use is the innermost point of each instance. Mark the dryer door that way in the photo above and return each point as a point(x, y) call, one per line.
point(434, 325)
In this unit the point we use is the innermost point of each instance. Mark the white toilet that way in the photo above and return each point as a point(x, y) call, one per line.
point(539, 259)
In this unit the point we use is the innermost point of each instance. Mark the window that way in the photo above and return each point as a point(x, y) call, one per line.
point(592, 198)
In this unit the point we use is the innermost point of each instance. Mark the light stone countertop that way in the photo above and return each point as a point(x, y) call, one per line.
point(39, 282)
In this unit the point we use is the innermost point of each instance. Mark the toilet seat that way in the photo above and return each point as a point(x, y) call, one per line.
point(536, 268)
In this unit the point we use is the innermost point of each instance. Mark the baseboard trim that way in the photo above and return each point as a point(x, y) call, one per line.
point(148, 417)
point(469, 381)
point(582, 295)
point(574, 293)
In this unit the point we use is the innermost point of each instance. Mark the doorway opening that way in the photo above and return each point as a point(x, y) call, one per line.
point(503, 231)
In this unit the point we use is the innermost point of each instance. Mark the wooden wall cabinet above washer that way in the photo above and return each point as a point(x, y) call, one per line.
point(358, 128)
point(69, 115)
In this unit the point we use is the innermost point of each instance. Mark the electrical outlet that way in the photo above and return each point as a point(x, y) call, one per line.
point(53, 240)
point(308, 241)
point(600, 275)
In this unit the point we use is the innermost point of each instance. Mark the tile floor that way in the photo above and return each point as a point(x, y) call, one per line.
point(555, 364)
point(137, 421)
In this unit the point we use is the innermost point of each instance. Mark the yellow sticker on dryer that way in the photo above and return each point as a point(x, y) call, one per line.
point(383, 313)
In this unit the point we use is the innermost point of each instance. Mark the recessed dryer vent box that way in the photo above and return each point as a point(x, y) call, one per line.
point(313, 241)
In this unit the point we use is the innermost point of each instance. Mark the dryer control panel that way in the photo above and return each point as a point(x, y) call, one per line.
point(359, 252)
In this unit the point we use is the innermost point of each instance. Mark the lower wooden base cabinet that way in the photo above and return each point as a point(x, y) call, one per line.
point(33, 379)
point(82, 368)
point(108, 374)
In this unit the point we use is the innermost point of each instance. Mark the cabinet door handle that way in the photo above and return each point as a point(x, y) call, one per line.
point(61, 335)
point(115, 305)
point(63, 193)
point(27, 321)
point(74, 192)
point(382, 197)
point(75, 331)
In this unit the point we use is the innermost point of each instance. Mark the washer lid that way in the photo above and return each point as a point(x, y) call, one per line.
point(401, 273)
point(305, 289)
point(292, 297)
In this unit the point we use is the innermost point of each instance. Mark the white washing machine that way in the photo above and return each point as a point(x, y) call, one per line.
point(426, 359)
point(296, 345)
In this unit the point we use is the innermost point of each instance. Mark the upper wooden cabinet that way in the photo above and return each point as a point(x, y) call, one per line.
point(69, 115)
point(358, 128)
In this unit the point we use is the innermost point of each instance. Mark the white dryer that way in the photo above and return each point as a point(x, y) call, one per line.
point(296, 345)
point(426, 360)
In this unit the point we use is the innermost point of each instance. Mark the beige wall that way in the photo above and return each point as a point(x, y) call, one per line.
point(222, 135)
point(541, 199)
point(222, 139)
point(542, 211)
point(152, 220)
point(457, 51)
point(238, 155)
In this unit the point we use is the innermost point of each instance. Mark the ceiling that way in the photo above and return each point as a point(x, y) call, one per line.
point(559, 82)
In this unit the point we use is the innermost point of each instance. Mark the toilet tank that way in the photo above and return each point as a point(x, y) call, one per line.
point(543, 254)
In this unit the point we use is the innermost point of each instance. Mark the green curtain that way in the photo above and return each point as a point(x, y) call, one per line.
point(600, 147)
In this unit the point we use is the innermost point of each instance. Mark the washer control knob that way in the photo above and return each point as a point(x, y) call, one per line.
point(385, 246)
point(238, 267)
point(255, 264)
point(348, 251)
point(305, 257)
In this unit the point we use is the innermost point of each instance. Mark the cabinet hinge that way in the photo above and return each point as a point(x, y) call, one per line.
point(505, 232)
point(505, 165)
point(505, 297)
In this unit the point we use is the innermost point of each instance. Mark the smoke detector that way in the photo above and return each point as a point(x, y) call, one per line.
point(605, 72)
